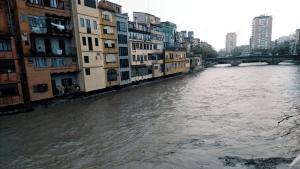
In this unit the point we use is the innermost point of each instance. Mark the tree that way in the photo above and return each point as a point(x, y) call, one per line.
point(284, 48)
point(298, 48)
point(206, 50)
point(236, 52)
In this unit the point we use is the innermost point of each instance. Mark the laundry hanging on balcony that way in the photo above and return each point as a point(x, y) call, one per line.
point(59, 27)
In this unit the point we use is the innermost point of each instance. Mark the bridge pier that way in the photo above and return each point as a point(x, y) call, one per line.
point(274, 61)
point(235, 63)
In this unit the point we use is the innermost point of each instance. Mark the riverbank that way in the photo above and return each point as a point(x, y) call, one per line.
point(27, 108)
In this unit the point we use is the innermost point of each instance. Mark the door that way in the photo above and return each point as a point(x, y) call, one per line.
point(48, 45)
point(88, 26)
point(62, 46)
point(90, 42)
point(54, 89)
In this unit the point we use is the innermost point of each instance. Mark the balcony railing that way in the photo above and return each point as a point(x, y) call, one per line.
point(10, 100)
point(8, 77)
point(50, 54)
point(47, 3)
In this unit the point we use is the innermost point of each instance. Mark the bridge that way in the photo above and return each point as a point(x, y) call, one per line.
point(235, 61)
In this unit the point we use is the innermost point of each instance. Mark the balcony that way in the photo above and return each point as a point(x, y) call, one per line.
point(8, 78)
point(105, 5)
point(50, 25)
point(56, 4)
point(9, 95)
point(51, 47)
point(11, 100)
point(59, 29)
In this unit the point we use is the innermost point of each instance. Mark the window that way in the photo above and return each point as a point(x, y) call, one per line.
point(96, 42)
point(122, 39)
point(9, 90)
point(107, 16)
point(40, 88)
point(79, 2)
point(90, 42)
point(82, 22)
point(118, 10)
point(53, 3)
point(5, 45)
point(86, 59)
point(125, 75)
point(112, 75)
point(7, 66)
point(84, 41)
point(37, 24)
point(88, 25)
point(133, 58)
point(24, 18)
point(40, 62)
point(124, 63)
point(38, 2)
point(90, 3)
point(122, 27)
point(95, 25)
point(108, 30)
point(58, 62)
point(123, 51)
point(87, 71)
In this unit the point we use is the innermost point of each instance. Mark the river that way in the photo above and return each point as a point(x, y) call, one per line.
point(223, 117)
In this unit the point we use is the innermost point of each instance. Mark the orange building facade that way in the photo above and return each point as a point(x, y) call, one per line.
point(10, 83)
point(45, 30)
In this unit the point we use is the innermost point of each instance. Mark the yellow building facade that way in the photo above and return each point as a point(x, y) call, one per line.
point(87, 33)
point(175, 62)
point(109, 39)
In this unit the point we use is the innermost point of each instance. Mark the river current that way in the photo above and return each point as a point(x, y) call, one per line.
point(224, 117)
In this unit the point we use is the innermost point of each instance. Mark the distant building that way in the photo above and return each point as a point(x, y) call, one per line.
point(146, 45)
point(196, 41)
point(140, 46)
point(175, 61)
point(87, 44)
point(169, 30)
point(245, 50)
point(289, 41)
point(231, 39)
point(298, 36)
point(183, 34)
point(122, 29)
point(109, 39)
point(191, 34)
point(146, 18)
point(261, 33)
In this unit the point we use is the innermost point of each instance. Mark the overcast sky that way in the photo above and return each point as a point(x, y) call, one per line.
point(212, 19)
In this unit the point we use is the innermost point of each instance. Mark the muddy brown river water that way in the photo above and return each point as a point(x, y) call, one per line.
point(223, 117)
